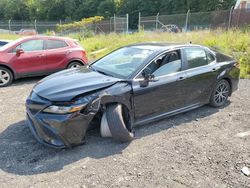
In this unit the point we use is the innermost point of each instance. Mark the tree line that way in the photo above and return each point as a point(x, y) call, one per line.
point(74, 10)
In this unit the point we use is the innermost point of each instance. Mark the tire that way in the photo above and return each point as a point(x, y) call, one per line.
point(117, 125)
point(105, 131)
point(220, 94)
point(6, 77)
point(74, 64)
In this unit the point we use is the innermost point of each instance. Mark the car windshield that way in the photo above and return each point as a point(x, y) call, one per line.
point(123, 62)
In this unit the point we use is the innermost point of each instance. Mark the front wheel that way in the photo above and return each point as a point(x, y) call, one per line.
point(220, 94)
point(117, 120)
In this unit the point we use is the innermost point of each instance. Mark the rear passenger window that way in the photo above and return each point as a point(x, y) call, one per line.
point(54, 44)
point(210, 58)
point(196, 57)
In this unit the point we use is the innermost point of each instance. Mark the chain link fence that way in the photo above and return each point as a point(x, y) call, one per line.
point(120, 24)
point(117, 24)
point(14, 26)
point(196, 21)
point(240, 18)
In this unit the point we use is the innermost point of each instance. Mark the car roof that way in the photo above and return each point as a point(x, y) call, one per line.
point(46, 37)
point(14, 42)
point(162, 46)
point(3, 40)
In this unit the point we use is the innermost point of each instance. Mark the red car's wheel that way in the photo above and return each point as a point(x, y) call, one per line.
point(6, 77)
point(74, 64)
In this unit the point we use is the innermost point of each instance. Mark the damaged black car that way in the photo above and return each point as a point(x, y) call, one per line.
point(133, 85)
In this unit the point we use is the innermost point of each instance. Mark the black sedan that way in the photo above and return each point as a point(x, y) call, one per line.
point(4, 42)
point(133, 85)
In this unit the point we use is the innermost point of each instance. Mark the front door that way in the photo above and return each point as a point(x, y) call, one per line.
point(32, 61)
point(165, 92)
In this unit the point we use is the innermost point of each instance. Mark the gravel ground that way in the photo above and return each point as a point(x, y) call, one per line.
point(200, 148)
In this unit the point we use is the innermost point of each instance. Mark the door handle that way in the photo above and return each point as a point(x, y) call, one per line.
point(215, 69)
point(68, 52)
point(181, 78)
point(41, 55)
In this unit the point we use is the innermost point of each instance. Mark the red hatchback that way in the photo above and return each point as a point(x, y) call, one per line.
point(37, 56)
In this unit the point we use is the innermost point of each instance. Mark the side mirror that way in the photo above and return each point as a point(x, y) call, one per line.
point(19, 52)
point(146, 73)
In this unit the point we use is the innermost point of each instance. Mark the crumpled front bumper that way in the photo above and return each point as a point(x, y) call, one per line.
point(59, 131)
point(56, 130)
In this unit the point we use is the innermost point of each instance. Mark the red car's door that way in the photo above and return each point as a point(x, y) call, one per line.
point(56, 54)
point(31, 60)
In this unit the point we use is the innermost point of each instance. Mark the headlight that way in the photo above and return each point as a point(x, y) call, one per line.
point(63, 109)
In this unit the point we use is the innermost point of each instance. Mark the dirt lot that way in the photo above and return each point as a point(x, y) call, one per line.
point(201, 148)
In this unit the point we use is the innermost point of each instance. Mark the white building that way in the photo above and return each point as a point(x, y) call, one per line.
point(242, 4)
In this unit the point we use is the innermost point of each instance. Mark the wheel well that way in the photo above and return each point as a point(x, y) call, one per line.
point(230, 83)
point(98, 116)
point(8, 69)
point(125, 113)
point(78, 61)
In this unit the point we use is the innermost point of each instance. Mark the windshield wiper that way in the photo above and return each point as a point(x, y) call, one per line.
point(91, 67)
point(102, 72)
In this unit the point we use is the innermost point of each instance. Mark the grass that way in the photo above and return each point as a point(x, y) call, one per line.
point(9, 36)
point(233, 42)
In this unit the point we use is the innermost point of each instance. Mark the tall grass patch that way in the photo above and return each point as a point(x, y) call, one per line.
point(233, 42)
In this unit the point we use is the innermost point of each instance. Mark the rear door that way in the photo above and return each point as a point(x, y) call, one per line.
point(56, 54)
point(33, 60)
point(202, 70)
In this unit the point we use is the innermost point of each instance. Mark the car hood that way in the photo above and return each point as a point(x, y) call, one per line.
point(65, 85)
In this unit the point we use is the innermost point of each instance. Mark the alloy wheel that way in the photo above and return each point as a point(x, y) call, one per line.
point(221, 93)
point(4, 77)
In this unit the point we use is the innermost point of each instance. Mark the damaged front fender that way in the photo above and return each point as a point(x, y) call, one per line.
point(120, 92)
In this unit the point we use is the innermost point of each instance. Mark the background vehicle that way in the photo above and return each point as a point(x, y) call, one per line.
point(133, 85)
point(170, 29)
point(27, 32)
point(4, 42)
point(38, 55)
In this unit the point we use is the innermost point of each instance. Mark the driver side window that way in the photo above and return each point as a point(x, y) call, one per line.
point(166, 64)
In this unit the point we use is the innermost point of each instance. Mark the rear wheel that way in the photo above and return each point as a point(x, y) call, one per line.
point(220, 94)
point(6, 77)
point(117, 120)
point(74, 64)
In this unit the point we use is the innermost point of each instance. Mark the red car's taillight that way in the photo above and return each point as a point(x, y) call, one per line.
point(85, 56)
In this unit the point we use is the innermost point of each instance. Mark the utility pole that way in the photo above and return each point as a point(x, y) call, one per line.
point(114, 23)
point(157, 21)
point(230, 17)
point(35, 25)
point(139, 22)
point(9, 25)
point(127, 20)
point(187, 20)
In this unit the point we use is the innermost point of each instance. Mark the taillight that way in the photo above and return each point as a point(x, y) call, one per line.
point(237, 65)
point(85, 57)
